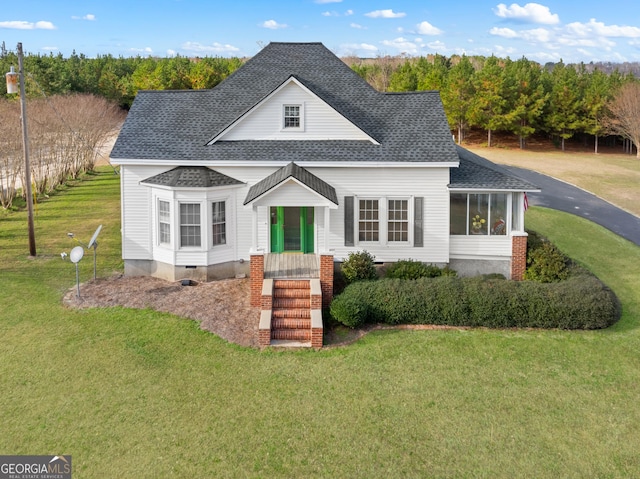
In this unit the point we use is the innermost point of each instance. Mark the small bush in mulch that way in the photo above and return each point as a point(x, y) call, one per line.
point(579, 302)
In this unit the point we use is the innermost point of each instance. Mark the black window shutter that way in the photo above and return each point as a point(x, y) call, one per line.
point(418, 222)
point(348, 221)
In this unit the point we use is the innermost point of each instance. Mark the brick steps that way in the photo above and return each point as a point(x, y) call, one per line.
point(291, 313)
point(291, 310)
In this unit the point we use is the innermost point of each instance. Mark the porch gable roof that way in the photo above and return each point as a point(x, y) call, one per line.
point(299, 174)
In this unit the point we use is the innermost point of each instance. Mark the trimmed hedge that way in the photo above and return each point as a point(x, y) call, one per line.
point(580, 302)
point(412, 269)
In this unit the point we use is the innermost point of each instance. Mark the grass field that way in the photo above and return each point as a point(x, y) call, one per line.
point(132, 393)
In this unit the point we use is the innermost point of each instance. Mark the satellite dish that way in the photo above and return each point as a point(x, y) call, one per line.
point(92, 241)
point(76, 254)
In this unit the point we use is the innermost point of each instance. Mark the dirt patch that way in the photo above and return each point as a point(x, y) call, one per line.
point(221, 307)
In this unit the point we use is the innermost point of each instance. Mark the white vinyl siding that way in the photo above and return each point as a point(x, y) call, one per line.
point(320, 121)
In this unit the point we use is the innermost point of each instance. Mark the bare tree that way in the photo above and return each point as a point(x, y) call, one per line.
point(11, 159)
point(66, 134)
point(624, 114)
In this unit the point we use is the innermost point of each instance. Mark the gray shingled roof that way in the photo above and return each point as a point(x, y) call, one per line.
point(177, 125)
point(292, 171)
point(476, 172)
point(192, 177)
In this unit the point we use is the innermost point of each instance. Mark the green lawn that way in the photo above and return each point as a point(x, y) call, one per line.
point(140, 394)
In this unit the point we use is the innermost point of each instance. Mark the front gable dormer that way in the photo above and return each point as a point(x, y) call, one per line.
point(292, 112)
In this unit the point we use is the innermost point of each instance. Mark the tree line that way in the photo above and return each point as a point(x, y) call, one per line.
point(117, 79)
point(494, 94)
point(518, 96)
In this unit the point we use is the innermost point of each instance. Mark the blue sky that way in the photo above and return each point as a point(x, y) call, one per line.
point(585, 30)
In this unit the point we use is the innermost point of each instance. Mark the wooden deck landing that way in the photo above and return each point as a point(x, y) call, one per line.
point(291, 265)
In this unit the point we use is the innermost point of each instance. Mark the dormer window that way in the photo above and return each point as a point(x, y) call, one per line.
point(292, 116)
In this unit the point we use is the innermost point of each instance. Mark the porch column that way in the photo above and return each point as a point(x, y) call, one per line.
point(254, 228)
point(326, 279)
point(518, 255)
point(256, 268)
point(327, 223)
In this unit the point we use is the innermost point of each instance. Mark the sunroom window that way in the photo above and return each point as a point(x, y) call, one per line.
point(479, 213)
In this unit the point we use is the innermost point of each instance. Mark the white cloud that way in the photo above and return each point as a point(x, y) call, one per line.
point(147, 50)
point(437, 46)
point(385, 14)
point(273, 25)
point(50, 49)
point(356, 49)
point(89, 16)
point(425, 28)
point(403, 45)
point(171, 53)
point(357, 26)
point(541, 35)
point(536, 35)
point(213, 48)
point(503, 32)
point(600, 29)
point(333, 13)
point(530, 13)
point(22, 25)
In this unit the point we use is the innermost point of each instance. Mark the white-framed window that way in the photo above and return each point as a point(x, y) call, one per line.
point(164, 222)
point(190, 234)
point(398, 220)
point(368, 220)
point(292, 117)
point(484, 214)
point(219, 223)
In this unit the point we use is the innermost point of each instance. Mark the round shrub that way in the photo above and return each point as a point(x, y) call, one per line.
point(359, 266)
point(545, 262)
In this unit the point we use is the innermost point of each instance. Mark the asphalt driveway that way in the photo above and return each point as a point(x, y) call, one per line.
point(562, 196)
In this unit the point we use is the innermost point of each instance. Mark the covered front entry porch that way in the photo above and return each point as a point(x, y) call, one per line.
point(291, 269)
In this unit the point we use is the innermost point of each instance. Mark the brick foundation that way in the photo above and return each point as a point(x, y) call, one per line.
point(257, 275)
point(326, 279)
point(518, 256)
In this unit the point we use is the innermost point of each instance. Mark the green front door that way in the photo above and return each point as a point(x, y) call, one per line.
point(291, 229)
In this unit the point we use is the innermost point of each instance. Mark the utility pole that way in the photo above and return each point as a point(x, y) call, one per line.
point(25, 146)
